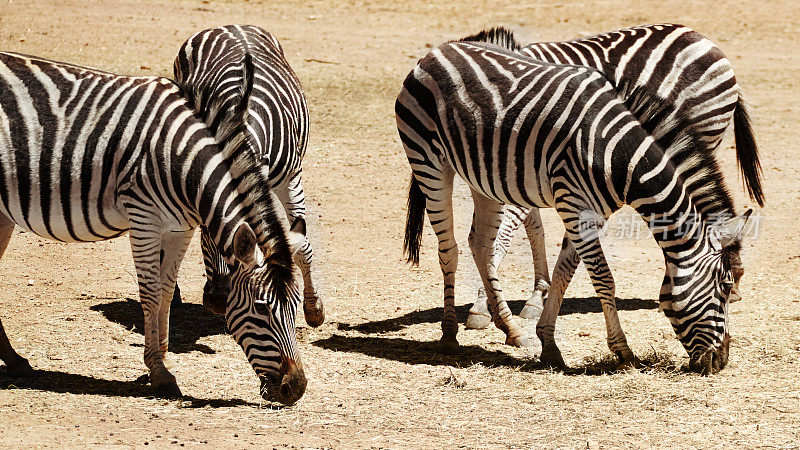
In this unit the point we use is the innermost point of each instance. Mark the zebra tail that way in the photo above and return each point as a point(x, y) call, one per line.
point(415, 220)
point(747, 152)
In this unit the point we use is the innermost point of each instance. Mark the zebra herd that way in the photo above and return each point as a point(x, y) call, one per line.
point(628, 117)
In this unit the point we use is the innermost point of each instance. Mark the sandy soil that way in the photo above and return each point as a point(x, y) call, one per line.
point(375, 378)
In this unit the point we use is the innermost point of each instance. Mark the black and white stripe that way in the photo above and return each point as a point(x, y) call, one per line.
point(87, 155)
point(533, 134)
point(206, 69)
point(679, 66)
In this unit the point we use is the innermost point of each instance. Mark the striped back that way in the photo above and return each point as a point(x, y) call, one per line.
point(676, 63)
point(207, 70)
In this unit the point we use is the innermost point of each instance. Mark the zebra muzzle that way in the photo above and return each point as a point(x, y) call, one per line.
point(288, 386)
point(215, 295)
point(712, 360)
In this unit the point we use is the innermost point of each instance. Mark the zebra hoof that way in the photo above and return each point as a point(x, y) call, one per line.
point(551, 357)
point(626, 366)
point(215, 295)
point(532, 312)
point(627, 361)
point(168, 390)
point(19, 369)
point(478, 321)
point(315, 315)
point(518, 341)
point(448, 345)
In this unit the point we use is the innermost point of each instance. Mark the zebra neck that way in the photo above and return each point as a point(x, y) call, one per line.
point(680, 234)
point(679, 197)
point(232, 192)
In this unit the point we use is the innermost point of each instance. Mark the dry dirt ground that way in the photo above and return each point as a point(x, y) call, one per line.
point(375, 378)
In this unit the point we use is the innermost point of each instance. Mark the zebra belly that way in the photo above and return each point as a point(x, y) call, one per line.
point(505, 187)
point(76, 224)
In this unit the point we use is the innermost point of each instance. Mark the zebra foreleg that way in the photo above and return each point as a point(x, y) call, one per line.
point(584, 233)
point(146, 246)
point(535, 230)
point(485, 223)
point(16, 366)
point(173, 248)
point(568, 261)
point(293, 199)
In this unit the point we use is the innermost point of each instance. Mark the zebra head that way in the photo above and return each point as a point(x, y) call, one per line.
point(260, 311)
point(697, 291)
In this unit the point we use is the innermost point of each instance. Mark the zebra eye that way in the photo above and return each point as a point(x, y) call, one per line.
point(261, 307)
point(726, 288)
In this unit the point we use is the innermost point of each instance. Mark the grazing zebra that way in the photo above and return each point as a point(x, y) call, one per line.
point(87, 155)
point(206, 69)
point(681, 67)
point(533, 134)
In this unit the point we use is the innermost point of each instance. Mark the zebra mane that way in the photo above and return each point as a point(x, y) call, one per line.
point(254, 182)
point(695, 162)
point(500, 36)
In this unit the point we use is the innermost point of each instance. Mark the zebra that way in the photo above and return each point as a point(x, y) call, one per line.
point(682, 67)
point(87, 155)
point(534, 134)
point(277, 131)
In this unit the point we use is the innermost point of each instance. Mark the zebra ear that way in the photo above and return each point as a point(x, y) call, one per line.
point(297, 234)
point(244, 244)
point(731, 230)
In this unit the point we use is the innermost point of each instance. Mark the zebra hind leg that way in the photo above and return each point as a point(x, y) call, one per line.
point(437, 193)
point(16, 366)
point(535, 230)
point(480, 315)
point(313, 308)
point(485, 223)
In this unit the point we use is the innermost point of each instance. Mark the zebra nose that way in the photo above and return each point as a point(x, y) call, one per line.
point(289, 386)
point(293, 383)
point(215, 296)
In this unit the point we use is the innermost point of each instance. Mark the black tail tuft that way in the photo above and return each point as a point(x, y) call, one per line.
point(500, 36)
point(415, 220)
point(747, 152)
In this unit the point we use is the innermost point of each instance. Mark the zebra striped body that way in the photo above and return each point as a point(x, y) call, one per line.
point(680, 67)
point(277, 129)
point(534, 134)
point(87, 155)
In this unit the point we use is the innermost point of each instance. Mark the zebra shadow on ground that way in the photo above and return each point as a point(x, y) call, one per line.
point(434, 315)
point(188, 322)
point(71, 383)
point(415, 352)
